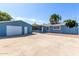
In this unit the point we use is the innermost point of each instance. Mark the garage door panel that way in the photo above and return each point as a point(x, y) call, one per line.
point(14, 30)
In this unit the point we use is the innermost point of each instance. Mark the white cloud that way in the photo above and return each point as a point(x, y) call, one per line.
point(28, 20)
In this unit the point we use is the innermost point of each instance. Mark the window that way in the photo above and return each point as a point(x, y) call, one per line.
point(56, 27)
point(47, 28)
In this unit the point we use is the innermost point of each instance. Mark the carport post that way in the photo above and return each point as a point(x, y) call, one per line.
point(42, 29)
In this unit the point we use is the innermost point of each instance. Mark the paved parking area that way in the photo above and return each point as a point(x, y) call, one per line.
point(39, 44)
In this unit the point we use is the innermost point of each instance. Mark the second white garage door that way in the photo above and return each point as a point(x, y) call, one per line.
point(25, 30)
point(13, 30)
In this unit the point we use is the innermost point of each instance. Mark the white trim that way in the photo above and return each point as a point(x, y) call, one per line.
point(55, 24)
point(57, 29)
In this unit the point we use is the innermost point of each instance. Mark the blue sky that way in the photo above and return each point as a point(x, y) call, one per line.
point(40, 13)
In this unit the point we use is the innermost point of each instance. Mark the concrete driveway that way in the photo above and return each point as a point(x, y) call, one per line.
point(65, 35)
point(39, 45)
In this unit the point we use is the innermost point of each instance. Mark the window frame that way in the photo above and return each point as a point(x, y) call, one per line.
point(56, 29)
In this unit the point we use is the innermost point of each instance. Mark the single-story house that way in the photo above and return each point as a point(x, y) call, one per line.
point(10, 28)
point(60, 28)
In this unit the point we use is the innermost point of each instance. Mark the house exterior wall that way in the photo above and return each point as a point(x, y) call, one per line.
point(65, 30)
point(78, 30)
point(54, 31)
point(44, 29)
point(2, 30)
point(14, 23)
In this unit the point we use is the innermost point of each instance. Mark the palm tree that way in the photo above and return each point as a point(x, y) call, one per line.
point(71, 23)
point(54, 19)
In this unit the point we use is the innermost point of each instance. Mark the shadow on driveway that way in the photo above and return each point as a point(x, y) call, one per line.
point(5, 37)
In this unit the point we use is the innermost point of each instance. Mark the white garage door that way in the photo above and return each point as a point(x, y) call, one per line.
point(25, 30)
point(14, 30)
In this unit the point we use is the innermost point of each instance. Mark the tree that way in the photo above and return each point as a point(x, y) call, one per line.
point(5, 16)
point(35, 26)
point(54, 19)
point(71, 23)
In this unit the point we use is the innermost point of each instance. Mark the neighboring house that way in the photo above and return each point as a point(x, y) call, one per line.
point(10, 28)
point(60, 28)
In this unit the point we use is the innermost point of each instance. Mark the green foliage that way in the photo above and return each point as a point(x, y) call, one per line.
point(5, 16)
point(35, 26)
point(54, 18)
point(71, 23)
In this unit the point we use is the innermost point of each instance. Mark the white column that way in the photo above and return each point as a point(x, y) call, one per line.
point(42, 29)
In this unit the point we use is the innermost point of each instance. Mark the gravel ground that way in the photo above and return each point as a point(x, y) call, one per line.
point(39, 45)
